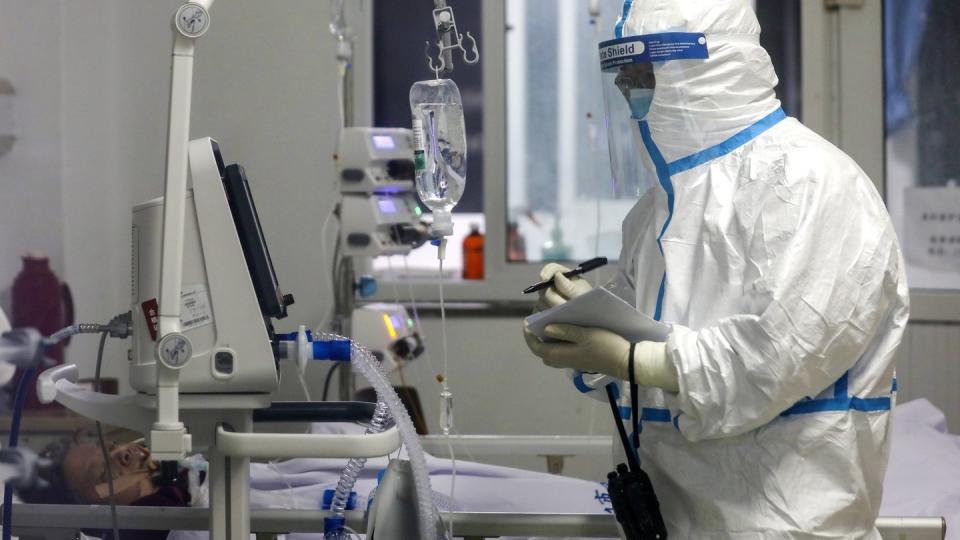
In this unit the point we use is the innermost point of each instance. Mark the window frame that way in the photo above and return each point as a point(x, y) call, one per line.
point(503, 281)
point(842, 87)
point(843, 97)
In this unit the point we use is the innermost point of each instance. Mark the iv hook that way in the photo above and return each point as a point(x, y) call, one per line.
point(443, 63)
point(446, 26)
point(473, 48)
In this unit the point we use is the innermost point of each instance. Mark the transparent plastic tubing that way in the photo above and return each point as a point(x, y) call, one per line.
point(18, 402)
point(364, 362)
point(71, 330)
point(350, 473)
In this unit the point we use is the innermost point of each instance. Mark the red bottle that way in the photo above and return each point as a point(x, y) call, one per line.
point(473, 254)
point(40, 301)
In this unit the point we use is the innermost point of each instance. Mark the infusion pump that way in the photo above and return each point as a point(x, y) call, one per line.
point(380, 214)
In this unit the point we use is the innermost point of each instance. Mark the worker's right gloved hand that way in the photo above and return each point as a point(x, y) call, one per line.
point(595, 350)
point(563, 288)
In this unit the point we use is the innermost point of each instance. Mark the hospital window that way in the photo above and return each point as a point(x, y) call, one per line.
point(401, 29)
point(556, 161)
point(922, 119)
point(559, 201)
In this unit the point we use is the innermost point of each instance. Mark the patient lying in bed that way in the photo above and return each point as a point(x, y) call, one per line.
point(79, 477)
point(923, 479)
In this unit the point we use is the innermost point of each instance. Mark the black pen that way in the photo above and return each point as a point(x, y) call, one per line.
point(582, 268)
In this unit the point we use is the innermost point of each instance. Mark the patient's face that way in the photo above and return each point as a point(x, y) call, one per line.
point(86, 475)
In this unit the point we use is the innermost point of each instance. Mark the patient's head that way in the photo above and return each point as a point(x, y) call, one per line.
point(78, 473)
point(85, 472)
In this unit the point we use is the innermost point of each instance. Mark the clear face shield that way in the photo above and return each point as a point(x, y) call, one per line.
point(629, 84)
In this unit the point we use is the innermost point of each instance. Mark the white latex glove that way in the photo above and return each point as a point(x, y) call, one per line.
point(563, 288)
point(601, 351)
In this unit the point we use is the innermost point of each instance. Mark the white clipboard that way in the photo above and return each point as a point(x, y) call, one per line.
point(600, 308)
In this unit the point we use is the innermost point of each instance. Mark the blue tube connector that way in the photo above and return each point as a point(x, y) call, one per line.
point(328, 500)
point(337, 350)
point(292, 336)
point(333, 524)
point(366, 286)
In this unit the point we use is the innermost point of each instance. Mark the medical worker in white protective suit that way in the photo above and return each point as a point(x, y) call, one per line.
point(770, 255)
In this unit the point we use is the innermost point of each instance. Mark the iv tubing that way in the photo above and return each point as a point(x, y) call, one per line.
point(72, 330)
point(441, 254)
point(445, 394)
point(19, 401)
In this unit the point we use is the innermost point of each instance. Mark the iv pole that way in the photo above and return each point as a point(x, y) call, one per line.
point(344, 270)
point(449, 39)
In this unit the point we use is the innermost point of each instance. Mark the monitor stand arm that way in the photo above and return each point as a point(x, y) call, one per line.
point(168, 437)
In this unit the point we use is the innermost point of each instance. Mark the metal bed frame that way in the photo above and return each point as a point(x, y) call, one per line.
point(62, 522)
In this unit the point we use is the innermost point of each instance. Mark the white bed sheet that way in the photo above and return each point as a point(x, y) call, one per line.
point(300, 484)
point(923, 477)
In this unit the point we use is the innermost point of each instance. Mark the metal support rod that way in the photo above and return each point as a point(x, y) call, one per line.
point(346, 294)
point(33, 517)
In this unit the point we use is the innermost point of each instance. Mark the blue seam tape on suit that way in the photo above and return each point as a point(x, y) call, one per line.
point(877, 404)
point(841, 402)
point(840, 387)
point(618, 29)
point(663, 175)
point(665, 171)
point(580, 385)
point(729, 145)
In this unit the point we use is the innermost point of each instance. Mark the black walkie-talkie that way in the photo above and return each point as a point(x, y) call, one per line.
point(635, 504)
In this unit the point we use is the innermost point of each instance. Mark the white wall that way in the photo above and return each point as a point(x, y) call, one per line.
point(92, 80)
point(95, 198)
point(30, 175)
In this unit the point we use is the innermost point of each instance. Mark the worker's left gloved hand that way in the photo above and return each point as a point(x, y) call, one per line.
point(601, 351)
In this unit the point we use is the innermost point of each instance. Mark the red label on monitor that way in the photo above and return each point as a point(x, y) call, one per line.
point(151, 312)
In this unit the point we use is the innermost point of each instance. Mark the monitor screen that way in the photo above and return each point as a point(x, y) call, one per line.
point(384, 142)
point(272, 301)
point(387, 206)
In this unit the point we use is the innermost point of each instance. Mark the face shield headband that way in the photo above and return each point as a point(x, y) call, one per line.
point(629, 83)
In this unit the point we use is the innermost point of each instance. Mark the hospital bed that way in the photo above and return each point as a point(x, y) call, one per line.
point(914, 487)
point(910, 490)
point(33, 522)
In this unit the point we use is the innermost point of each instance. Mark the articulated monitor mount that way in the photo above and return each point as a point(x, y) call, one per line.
point(217, 286)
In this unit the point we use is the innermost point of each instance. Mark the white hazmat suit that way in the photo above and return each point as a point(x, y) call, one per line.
point(772, 257)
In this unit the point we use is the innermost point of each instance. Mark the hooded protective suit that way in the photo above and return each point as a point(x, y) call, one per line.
point(771, 255)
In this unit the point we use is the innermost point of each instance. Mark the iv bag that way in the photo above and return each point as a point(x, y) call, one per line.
point(440, 146)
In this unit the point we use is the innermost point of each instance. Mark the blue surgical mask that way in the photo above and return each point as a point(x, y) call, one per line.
point(640, 101)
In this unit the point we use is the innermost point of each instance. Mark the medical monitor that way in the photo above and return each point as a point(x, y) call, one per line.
point(273, 303)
